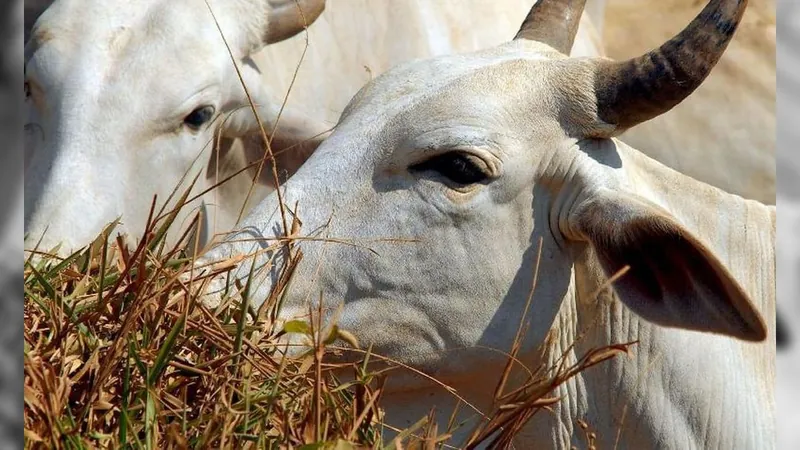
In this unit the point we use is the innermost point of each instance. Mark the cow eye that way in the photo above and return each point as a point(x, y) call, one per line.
point(458, 167)
point(199, 117)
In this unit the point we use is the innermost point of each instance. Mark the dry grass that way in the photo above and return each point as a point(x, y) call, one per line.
point(119, 353)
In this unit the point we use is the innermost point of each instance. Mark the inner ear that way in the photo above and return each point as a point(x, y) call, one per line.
point(674, 280)
point(293, 136)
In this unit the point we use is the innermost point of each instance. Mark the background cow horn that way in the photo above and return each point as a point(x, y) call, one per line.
point(633, 91)
point(553, 22)
point(286, 18)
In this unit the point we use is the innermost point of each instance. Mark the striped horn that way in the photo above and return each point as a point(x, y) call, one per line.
point(553, 22)
point(637, 90)
point(289, 17)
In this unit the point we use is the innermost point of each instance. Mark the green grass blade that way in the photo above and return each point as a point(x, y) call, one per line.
point(165, 353)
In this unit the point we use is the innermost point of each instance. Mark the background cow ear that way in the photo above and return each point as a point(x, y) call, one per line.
point(674, 280)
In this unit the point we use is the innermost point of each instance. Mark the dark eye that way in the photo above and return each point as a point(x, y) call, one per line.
point(27, 88)
point(199, 117)
point(458, 167)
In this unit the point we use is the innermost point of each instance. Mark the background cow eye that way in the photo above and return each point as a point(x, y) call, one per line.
point(458, 167)
point(199, 117)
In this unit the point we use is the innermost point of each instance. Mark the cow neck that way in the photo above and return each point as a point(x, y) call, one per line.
point(679, 389)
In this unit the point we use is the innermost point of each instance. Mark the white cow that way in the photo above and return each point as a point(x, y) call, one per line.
point(124, 97)
point(451, 170)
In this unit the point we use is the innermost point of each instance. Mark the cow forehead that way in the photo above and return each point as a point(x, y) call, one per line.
point(448, 88)
point(166, 48)
point(119, 29)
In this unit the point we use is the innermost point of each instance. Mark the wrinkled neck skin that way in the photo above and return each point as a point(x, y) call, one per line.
point(631, 402)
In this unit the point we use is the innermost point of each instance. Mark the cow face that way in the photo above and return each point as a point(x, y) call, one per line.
point(427, 206)
point(123, 101)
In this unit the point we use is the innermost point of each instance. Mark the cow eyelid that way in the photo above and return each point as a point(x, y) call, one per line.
point(457, 166)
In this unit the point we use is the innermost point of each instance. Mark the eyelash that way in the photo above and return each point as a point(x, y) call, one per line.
point(455, 166)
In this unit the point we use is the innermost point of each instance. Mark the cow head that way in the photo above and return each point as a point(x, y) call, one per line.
point(124, 99)
point(424, 209)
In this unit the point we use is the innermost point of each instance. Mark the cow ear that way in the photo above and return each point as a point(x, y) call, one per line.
point(287, 129)
point(673, 280)
point(291, 125)
point(294, 136)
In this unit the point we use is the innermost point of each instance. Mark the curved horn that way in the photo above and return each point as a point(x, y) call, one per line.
point(633, 91)
point(289, 17)
point(553, 22)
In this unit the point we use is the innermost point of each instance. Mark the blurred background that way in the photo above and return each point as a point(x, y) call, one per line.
point(747, 69)
point(11, 97)
point(788, 193)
